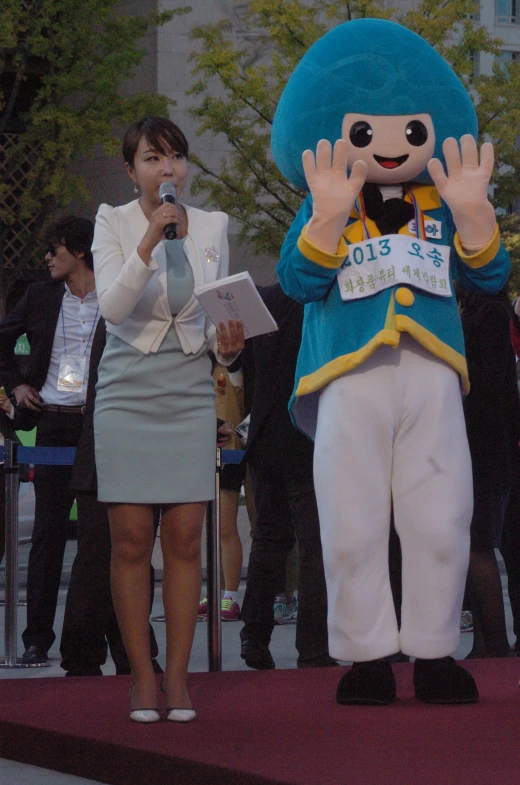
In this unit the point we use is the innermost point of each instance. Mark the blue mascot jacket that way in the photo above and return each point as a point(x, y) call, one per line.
point(339, 336)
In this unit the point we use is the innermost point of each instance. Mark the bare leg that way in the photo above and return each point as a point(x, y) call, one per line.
point(131, 530)
point(181, 533)
point(231, 545)
point(487, 604)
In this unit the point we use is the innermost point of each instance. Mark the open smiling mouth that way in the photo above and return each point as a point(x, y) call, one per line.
point(390, 163)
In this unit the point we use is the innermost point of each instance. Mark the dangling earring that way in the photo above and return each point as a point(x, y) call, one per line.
point(136, 189)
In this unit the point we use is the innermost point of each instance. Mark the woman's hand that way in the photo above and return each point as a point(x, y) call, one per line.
point(230, 340)
point(224, 434)
point(465, 189)
point(165, 214)
point(5, 404)
point(333, 192)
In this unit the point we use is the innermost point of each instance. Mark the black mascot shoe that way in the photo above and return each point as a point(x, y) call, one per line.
point(443, 681)
point(367, 683)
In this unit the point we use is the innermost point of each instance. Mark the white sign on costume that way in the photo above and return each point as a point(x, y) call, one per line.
point(380, 262)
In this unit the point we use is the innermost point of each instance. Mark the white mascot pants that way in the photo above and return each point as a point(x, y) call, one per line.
point(393, 431)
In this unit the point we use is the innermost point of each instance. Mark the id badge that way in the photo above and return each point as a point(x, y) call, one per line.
point(71, 374)
point(394, 259)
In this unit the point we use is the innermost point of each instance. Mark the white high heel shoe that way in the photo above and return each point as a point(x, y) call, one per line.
point(180, 715)
point(144, 715)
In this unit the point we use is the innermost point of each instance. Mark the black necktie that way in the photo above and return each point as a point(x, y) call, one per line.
point(388, 215)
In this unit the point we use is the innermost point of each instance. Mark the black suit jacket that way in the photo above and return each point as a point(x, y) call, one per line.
point(269, 364)
point(35, 314)
point(84, 476)
point(492, 408)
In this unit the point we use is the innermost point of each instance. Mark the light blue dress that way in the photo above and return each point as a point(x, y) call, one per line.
point(154, 417)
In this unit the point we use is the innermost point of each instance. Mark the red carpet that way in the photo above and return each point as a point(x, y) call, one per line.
point(255, 728)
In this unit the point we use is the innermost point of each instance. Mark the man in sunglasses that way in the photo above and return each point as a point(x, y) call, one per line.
point(59, 317)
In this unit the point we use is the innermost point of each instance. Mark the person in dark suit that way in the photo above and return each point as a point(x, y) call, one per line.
point(7, 431)
point(90, 626)
point(280, 460)
point(59, 317)
point(492, 413)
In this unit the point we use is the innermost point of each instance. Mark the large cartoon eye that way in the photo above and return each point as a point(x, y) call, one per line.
point(416, 133)
point(361, 134)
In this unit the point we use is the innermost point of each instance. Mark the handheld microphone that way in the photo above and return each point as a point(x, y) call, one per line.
point(167, 193)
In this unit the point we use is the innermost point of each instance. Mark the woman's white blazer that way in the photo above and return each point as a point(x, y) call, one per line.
point(133, 297)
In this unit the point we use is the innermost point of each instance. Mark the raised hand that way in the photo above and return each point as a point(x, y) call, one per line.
point(465, 187)
point(333, 191)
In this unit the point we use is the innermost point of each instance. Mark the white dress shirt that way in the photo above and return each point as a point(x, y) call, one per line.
point(74, 333)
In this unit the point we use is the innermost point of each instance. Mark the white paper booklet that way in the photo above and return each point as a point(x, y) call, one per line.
point(236, 297)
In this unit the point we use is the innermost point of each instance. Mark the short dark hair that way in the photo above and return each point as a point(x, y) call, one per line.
point(157, 131)
point(76, 234)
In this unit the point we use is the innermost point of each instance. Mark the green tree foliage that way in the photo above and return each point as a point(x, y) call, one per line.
point(62, 66)
point(251, 72)
point(510, 234)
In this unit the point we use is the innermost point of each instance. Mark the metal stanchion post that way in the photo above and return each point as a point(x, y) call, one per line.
point(11, 471)
point(214, 562)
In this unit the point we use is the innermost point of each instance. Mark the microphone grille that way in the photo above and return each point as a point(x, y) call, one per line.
point(167, 189)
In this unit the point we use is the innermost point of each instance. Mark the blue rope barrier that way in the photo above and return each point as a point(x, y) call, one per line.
point(232, 456)
point(64, 456)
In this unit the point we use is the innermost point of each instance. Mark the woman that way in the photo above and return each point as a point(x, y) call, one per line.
point(492, 414)
point(155, 419)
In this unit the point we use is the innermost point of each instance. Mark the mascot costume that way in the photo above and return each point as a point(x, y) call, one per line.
point(382, 133)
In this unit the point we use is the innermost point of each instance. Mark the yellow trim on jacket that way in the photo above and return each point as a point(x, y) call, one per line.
point(323, 258)
point(395, 324)
point(484, 256)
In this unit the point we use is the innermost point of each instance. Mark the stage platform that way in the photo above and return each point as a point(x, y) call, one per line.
point(268, 728)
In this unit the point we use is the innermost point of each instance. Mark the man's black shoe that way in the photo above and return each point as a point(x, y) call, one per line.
point(257, 656)
point(367, 684)
point(318, 662)
point(34, 655)
point(442, 680)
point(84, 672)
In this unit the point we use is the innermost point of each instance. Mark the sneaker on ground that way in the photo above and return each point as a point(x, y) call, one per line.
point(466, 621)
point(229, 610)
point(202, 614)
point(291, 610)
point(280, 608)
point(285, 609)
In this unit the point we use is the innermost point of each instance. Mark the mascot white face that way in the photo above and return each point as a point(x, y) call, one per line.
point(395, 148)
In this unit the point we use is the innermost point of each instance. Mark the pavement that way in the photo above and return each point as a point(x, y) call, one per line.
point(282, 649)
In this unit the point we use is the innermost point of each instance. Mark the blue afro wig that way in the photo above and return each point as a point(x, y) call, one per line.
point(367, 66)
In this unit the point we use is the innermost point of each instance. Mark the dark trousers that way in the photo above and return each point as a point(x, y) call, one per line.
point(510, 549)
point(53, 502)
point(2, 513)
point(286, 511)
point(90, 626)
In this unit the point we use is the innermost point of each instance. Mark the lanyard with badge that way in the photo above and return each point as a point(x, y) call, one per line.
point(374, 264)
point(71, 374)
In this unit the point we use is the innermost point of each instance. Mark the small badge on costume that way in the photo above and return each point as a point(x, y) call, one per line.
point(71, 374)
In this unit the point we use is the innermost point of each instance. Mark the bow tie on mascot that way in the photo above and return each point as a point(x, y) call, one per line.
point(382, 133)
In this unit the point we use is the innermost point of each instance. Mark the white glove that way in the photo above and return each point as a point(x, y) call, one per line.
point(333, 192)
point(464, 189)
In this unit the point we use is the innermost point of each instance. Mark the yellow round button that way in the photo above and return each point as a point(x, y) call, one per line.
point(404, 297)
